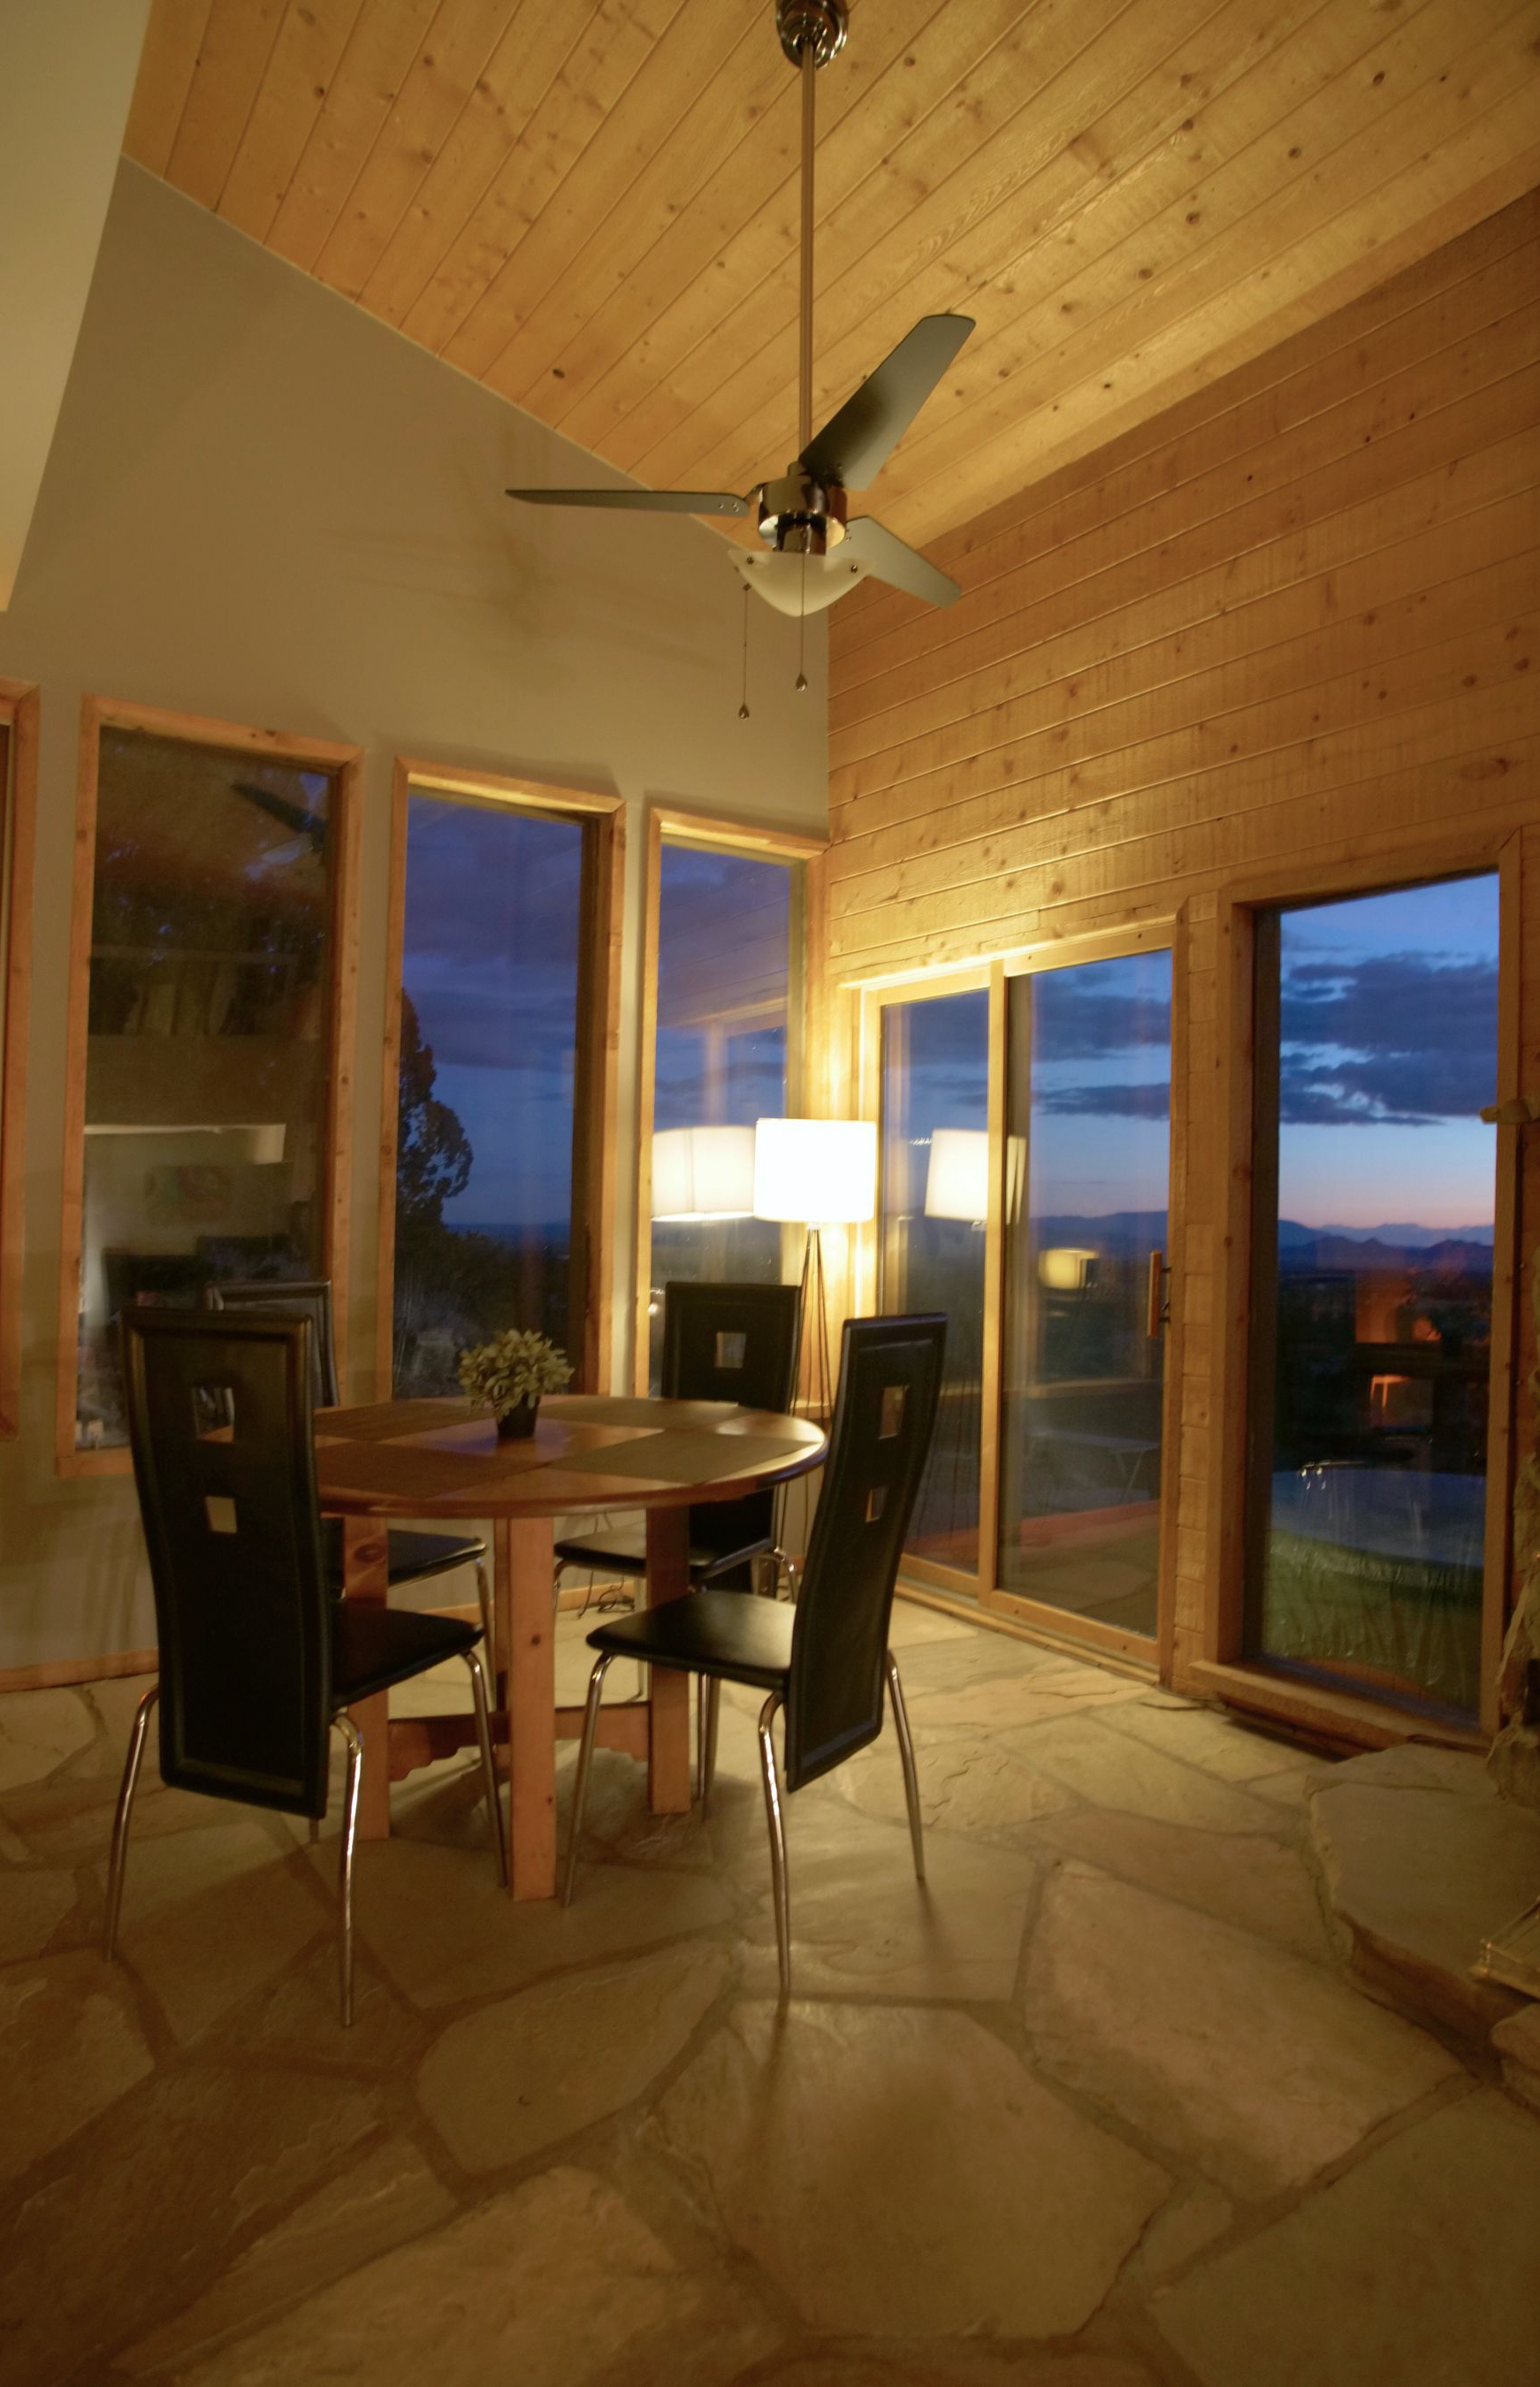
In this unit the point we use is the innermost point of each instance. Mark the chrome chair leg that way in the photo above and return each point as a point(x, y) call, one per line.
point(906, 1757)
point(488, 1764)
point(777, 1840)
point(710, 1712)
point(580, 1789)
point(354, 1741)
point(118, 1861)
point(484, 1601)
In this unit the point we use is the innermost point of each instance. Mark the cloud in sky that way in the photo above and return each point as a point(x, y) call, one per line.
point(1129, 1099)
point(1389, 1039)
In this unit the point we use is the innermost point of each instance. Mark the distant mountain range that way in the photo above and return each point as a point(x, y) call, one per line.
point(1404, 1235)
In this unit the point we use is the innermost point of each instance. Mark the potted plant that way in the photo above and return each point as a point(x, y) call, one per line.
point(508, 1376)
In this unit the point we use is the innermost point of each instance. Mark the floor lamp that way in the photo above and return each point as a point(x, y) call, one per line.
point(816, 1173)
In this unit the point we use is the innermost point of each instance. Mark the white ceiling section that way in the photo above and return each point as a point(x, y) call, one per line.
point(67, 76)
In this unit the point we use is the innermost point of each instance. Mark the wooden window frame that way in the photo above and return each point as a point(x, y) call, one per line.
point(18, 713)
point(98, 713)
point(594, 1137)
point(665, 822)
point(1223, 1669)
point(982, 1591)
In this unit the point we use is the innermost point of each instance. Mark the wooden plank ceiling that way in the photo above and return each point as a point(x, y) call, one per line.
point(591, 205)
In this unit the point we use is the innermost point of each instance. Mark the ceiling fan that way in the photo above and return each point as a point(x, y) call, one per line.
point(813, 552)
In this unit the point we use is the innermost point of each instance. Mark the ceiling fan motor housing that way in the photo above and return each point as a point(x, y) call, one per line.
point(801, 517)
point(815, 25)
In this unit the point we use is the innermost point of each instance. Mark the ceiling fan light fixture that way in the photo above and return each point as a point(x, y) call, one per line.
point(799, 584)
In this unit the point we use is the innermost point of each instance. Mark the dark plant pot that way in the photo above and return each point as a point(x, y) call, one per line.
point(518, 1423)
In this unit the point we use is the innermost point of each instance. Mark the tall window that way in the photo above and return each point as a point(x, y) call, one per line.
point(207, 1150)
point(500, 974)
point(934, 1207)
point(1377, 1047)
point(725, 1054)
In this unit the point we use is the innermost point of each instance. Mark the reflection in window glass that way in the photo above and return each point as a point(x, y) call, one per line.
point(1088, 1106)
point(728, 934)
point(206, 1090)
point(487, 1110)
point(1372, 1307)
point(934, 1209)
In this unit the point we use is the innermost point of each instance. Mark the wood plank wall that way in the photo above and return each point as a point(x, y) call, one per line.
point(1278, 637)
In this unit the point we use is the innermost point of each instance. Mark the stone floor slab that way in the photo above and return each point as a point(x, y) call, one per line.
point(966, 1785)
point(392, 2197)
point(1423, 1861)
point(1089, 1756)
point(162, 2192)
point(861, 1926)
point(1245, 1880)
point(34, 1903)
point(554, 2284)
point(209, 1917)
point(444, 1930)
point(1211, 1737)
point(898, 2173)
point(72, 2046)
point(1417, 2266)
point(954, 2365)
point(1516, 2043)
point(526, 2071)
point(1251, 2064)
point(37, 1731)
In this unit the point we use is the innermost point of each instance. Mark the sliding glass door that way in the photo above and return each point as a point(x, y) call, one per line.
point(1371, 1297)
point(1088, 1163)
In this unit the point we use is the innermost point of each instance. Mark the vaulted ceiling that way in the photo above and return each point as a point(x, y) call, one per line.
point(591, 205)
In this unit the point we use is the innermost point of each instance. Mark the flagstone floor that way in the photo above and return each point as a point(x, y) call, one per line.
point(1099, 2107)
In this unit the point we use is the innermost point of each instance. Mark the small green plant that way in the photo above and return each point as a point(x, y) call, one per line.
point(516, 1366)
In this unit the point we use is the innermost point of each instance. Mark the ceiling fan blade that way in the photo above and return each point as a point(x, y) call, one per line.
point(855, 444)
point(641, 501)
point(887, 558)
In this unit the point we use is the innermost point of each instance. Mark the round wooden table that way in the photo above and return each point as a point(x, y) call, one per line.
point(425, 1459)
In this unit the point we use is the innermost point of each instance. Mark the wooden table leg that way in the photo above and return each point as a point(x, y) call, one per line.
point(668, 1578)
point(526, 1651)
point(366, 1576)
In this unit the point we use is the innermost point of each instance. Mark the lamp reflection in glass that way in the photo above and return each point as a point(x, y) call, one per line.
point(1065, 1269)
point(957, 1179)
point(702, 1172)
point(816, 1173)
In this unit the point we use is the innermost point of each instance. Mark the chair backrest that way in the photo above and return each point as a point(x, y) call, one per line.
point(884, 1411)
point(732, 1343)
point(296, 1298)
point(242, 1607)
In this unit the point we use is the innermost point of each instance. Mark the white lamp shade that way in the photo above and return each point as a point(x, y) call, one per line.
point(815, 1172)
point(703, 1172)
point(957, 1180)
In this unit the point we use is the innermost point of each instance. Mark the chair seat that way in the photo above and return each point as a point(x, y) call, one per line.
point(373, 1648)
point(715, 1632)
point(625, 1553)
point(413, 1556)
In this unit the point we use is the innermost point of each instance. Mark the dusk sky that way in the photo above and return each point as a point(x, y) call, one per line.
point(489, 959)
point(1389, 1032)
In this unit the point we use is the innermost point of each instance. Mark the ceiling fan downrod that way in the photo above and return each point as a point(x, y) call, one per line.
point(795, 513)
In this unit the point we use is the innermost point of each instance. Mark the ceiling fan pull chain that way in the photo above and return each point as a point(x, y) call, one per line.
point(743, 708)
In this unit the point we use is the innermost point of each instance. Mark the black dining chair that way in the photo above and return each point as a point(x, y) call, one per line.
point(259, 1659)
point(822, 1665)
point(721, 1343)
point(413, 1557)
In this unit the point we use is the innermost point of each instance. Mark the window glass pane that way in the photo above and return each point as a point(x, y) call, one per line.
point(725, 928)
point(1373, 1315)
point(1088, 1125)
point(207, 1070)
point(934, 1207)
point(489, 1029)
